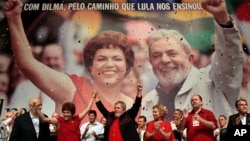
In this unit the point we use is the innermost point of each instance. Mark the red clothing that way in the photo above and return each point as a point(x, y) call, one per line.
point(115, 132)
point(165, 126)
point(197, 131)
point(83, 95)
point(69, 131)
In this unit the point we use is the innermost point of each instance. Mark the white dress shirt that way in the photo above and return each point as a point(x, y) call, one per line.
point(35, 120)
point(96, 127)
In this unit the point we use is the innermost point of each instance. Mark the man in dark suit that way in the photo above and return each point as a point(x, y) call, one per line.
point(28, 126)
point(237, 121)
point(121, 124)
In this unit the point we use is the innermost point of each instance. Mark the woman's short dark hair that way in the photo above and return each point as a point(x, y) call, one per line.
point(69, 106)
point(107, 39)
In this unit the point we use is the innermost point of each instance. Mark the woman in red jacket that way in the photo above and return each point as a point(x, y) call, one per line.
point(159, 129)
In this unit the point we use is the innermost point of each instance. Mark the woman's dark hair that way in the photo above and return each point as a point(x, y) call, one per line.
point(69, 106)
point(108, 39)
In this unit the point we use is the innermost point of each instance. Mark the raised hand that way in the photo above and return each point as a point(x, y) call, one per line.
point(237, 120)
point(157, 126)
point(12, 8)
point(185, 113)
point(196, 117)
point(218, 9)
point(139, 88)
point(94, 94)
point(19, 111)
point(94, 133)
point(216, 133)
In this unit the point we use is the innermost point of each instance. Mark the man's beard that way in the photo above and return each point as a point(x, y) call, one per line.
point(118, 114)
point(194, 105)
point(172, 79)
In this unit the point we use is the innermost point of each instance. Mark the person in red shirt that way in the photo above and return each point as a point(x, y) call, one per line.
point(121, 125)
point(69, 124)
point(159, 129)
point(200, 122)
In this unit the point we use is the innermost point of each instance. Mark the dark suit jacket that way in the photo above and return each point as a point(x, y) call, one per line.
point(127, 121)
point(24, 130)
point(231, 124)
point(232, 120)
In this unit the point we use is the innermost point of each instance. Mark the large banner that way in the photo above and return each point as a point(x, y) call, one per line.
point(58, 32)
